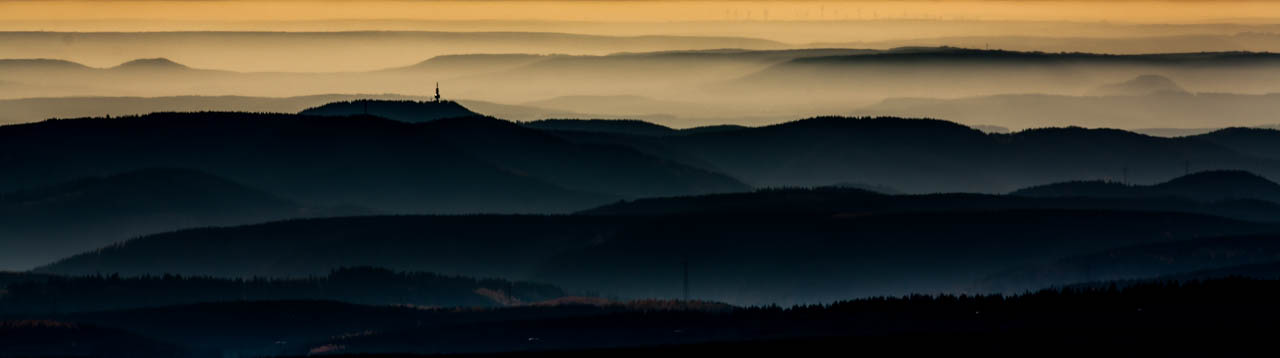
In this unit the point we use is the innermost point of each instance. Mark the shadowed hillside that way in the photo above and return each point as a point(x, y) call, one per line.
point(1130, 317)
point(630, 127)
point(947, 157)
point(1166, 260)
point(46, 338)
point(467, 165)
point(362, 285)
point(1202, 186)
point(39, 225)
point(1155, 110)
point(736, 258)
point(1259, 142)
point(404, 111)
point(842, 200)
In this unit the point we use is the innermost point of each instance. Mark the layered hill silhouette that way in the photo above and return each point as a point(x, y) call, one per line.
point(947, 157)
point(1155, 110)
point(25, 110)
point(315, 51)
point(1259, 142)
point(917, 70)
point(734, 257)
point(628, 127)
point(48, 338)
point(360, 285)
point(850, 200)
point(404, 111)
point(1202, 186)
point(1183, 260)
point(37, 225)
point(1141, 85)
point(1236, 308)
point(466, 165)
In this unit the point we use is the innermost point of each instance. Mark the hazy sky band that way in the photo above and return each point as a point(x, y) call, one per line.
point(33, 11)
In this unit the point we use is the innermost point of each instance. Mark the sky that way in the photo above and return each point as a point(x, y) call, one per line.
point(73, 15)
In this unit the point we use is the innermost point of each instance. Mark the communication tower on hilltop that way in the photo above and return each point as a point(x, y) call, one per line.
point(437, 92)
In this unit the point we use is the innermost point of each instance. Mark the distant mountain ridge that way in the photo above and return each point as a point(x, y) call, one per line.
point(1141, 85)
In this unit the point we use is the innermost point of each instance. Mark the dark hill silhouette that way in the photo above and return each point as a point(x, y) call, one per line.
point(630, 127)
point(1157, 110)
point(1140, 262)
point(1124, 318)
point(846, 200)
point(1133, 318)
point(1264, 271)
point(1141, 85)
point(1259, 142)
point(736, 258)
point(24, 110)
point(599, 168)
point(39, 225)
point(712, 129)
point(151, 64)
point(47, 64)
point(947, 157)
point(1203, 186)
point(47, 338)
point(379, 164)
point(361, 285)
point(404, 111)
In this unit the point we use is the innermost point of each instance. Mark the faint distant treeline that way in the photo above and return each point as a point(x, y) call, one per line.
point(362, 285)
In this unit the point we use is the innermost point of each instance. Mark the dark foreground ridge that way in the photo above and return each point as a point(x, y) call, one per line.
point(1222, 314)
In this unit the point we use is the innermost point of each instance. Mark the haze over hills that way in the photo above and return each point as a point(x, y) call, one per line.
point(364, 161)
point(739, 259)
point(315, 51)
point(955, 72)
point(469, 165)
point(704, 87)
point(38, 109)
point(42, 224)
point(1141, 85)
point(1141, 261)
point(1201, 112)
point(828, 150)
point(1258, 41)
point(367, 179)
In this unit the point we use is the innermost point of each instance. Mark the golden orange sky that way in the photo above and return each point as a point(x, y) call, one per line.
point(35, 14)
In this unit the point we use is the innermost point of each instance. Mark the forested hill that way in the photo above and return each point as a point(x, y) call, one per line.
point(1203, 186)
point(376, 163)
point(360, 285)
